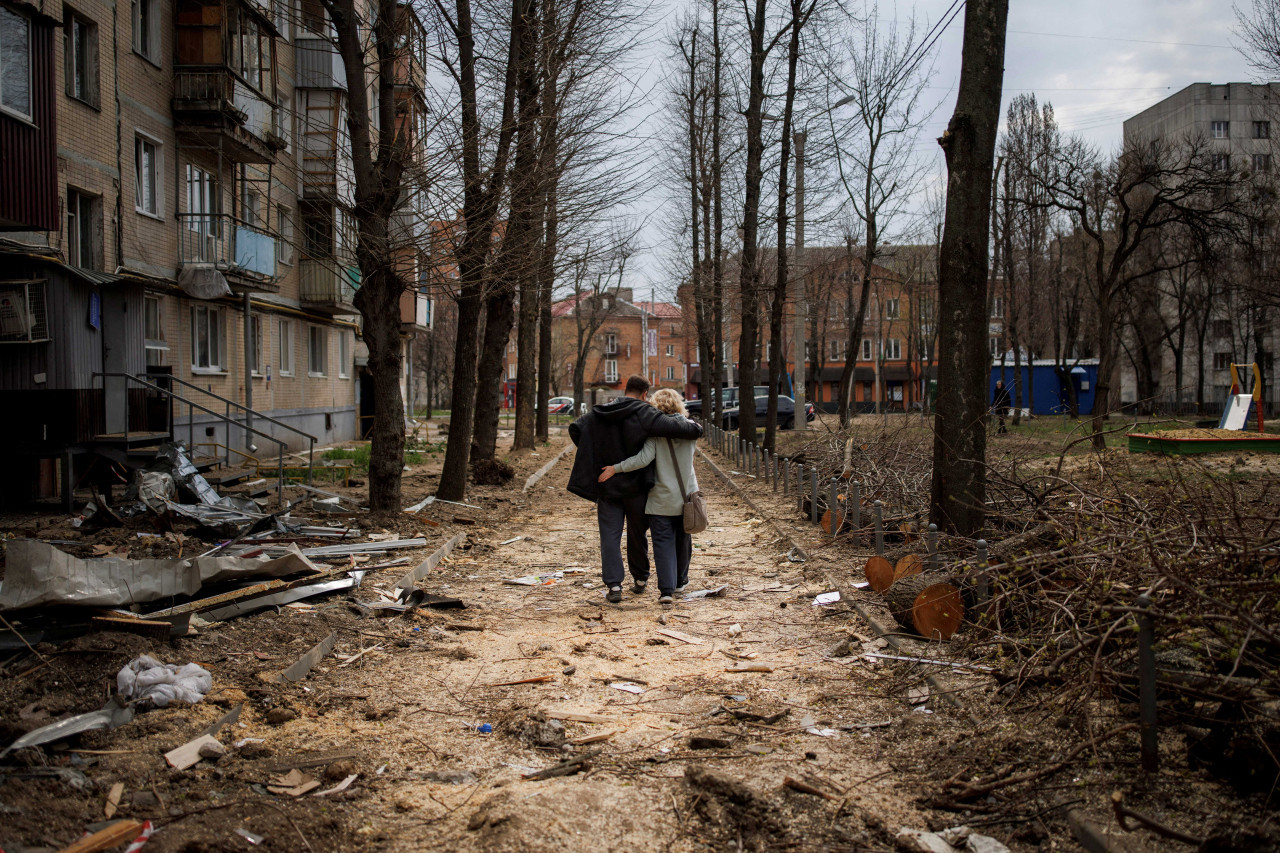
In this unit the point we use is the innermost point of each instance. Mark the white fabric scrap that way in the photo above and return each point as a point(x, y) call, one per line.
point(145, 680)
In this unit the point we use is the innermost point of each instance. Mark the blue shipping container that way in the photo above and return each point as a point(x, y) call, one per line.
point(1048, 394)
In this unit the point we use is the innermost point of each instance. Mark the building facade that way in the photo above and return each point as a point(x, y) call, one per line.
point(201, 234)
point(1236, 319)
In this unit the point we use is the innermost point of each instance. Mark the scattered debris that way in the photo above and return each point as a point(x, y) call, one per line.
point(113, 800)
point(538, 730)
point(749, 667)
point(112, 715)
point(806, 788)
point(826, 598)
point(112, 836)
point(706, 593)
point(293, 784)
point(953, 664)
point(303, 665)
point(568, 767)
point(628, 686)
point(341, 786)
point(189, 754)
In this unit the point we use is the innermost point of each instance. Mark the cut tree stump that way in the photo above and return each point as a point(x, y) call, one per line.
point(908, 566)
point(879, 572)
point(926, 604)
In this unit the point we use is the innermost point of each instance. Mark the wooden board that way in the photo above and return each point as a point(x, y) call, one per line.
point(682, 637)
point(188, 754)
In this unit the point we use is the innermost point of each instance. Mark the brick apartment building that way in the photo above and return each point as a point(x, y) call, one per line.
point(651, 339)
point(895, 359)
point(176, 199)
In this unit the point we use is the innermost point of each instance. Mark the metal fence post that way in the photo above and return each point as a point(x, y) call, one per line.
point(879, 529)
point(854, 499)
point(813, 507)
point(984, 589)
point(931, 544)
point(833, 505)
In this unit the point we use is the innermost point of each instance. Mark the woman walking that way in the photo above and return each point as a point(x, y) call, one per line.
point(672, 546)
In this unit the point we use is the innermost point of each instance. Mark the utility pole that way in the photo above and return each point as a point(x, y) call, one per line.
point(800, 420)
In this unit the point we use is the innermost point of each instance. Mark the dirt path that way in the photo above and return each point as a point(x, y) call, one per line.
point(445, 784)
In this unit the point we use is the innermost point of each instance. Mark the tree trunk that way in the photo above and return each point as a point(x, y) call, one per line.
point(927, 605)
point(749, 274)
point(717, 225)
point(526, 215)
point(479, 211)
point(500, 315)
point(958, 493)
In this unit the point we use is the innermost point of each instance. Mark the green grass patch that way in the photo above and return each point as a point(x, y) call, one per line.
point(358, 456)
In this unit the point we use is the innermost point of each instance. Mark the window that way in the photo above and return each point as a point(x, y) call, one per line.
point(1221, 162)
point(1221, 360)
point(892, 349)
point(250, 199)
point(611, 370)
point(81, 55)
point(671, 350)
point(317, 350)
point(511, 370)
point(997, 307)
point(1262, 162)
point(15, 63)
point(1222, 328)
point(837, 349)
point(84, 230)
point(146, 171)
point(1220, 129)
point(207, 341)
point(283, 15)
point(671, 373)
point(202, 198)
point(257, 333)
point(1262, 130)
point(344, 355)
point(891, 309)
point(146, 29)
point(993, 346)
point(284, 335)
point(611, 344)
point(284, 242)
point(866, 349)
point(153, 330)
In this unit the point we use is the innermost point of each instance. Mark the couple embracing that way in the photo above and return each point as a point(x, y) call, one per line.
point(635, 461)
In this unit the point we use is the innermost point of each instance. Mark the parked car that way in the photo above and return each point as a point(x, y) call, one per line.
point(729, 396)
point(786, 413)
point(560, 405)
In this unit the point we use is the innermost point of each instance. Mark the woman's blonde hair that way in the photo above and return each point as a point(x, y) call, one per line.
point(669, 400)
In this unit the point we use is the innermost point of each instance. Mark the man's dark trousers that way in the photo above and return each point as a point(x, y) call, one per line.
point(610, 513)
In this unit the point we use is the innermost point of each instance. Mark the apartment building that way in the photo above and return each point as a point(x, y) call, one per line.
point(1241, 124)
point(176, 200)
point(624, 337)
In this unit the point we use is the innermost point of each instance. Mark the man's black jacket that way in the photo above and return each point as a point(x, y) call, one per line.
point(613, 432)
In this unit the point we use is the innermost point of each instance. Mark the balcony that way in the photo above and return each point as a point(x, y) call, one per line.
point(216, 108)
point(328, 286)
point(244, 253)
point(319, 65)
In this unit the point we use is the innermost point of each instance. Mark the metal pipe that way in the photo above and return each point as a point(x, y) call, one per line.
point(984, 589)
point(854, 502)
point(931, 545)
point(249, 365)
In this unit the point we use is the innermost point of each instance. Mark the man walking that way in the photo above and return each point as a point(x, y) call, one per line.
point(607, 435)
point(1000, 403)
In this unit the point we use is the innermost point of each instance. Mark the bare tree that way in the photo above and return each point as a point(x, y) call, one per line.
point(1258, 29)
point(958, 492)
point(882, 83)
point(595, 291)
point(1119, 205)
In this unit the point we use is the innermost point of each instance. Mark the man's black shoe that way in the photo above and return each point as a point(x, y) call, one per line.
point(614, 595)
point(638, 586)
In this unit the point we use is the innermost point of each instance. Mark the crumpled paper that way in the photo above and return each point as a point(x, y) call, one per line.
point(147, 681)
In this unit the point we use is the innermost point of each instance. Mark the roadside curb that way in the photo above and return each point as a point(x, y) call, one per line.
point(542, 472)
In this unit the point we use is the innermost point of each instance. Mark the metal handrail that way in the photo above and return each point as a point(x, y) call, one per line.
point(257, 463)
point(191, 405)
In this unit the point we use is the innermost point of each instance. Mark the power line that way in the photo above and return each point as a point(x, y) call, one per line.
point(1133, 41)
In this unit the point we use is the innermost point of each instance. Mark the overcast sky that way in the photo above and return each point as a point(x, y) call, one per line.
point(1097, 61)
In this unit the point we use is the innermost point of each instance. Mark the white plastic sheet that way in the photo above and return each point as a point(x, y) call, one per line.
point(145, 680)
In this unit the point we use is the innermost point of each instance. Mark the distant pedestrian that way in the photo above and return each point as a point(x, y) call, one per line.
point(1000, 404)
point(607, 435)
point(672, 546)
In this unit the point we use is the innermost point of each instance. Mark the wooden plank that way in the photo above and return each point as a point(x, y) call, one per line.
point(537, 679)
point(105, 839)
point(305, 762)
point(681, 636)
point(592, 738)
